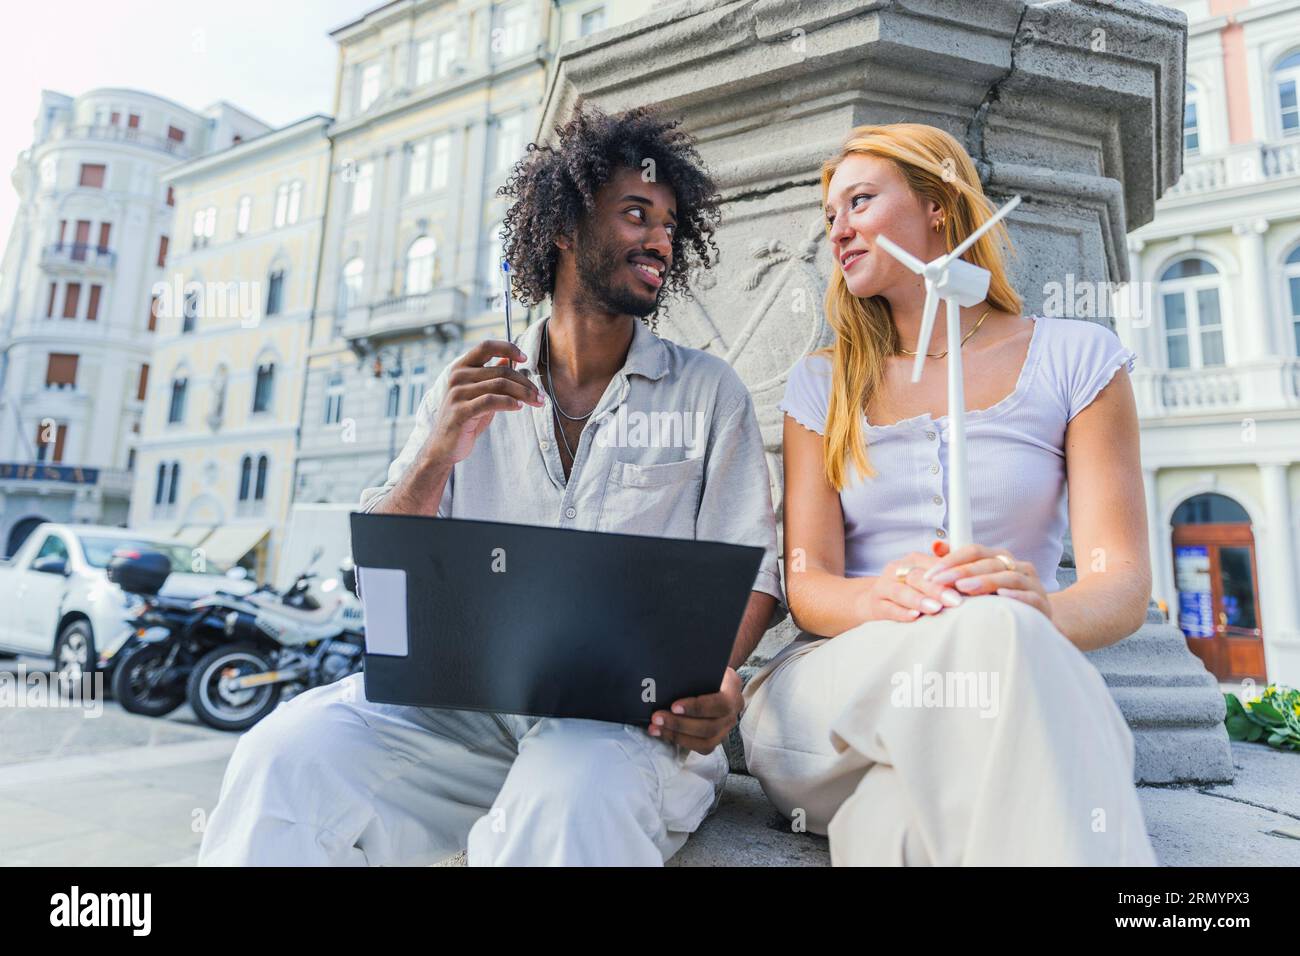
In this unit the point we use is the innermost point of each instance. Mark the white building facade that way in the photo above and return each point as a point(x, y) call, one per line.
point(1218, 339)
point(91, 237)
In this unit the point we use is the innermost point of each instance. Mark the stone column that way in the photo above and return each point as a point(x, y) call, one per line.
point(1075, 106)
point(1277, 562)
point(1256, 324)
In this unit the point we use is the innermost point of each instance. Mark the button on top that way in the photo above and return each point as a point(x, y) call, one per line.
point(940, 533)
point(571, 512)
point(938, 499)
point(934, 469)
point(545, 445)
point(929, 436)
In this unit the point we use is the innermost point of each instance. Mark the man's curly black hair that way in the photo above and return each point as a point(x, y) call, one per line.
point(554, 187)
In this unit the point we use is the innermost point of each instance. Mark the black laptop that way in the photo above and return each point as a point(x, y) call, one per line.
point(550, 622)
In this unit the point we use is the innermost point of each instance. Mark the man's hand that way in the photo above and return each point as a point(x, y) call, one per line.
point(701, 723)
point(476, 391)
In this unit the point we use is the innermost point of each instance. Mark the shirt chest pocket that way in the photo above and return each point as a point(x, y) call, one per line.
point(660, 500)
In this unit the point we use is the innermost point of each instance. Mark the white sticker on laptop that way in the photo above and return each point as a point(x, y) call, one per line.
point(383, 595)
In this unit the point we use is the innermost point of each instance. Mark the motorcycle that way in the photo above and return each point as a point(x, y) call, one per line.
point(168, 636)
point(276, 642)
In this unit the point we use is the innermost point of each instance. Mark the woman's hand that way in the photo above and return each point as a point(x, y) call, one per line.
point(901, 593)
point(976, 569)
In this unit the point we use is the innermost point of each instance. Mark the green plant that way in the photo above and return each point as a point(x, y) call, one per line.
point(1273, 717)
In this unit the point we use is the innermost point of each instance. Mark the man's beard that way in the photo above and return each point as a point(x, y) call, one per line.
point(597, 264)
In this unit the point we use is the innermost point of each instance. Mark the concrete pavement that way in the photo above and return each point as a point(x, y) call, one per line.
point(135, 791)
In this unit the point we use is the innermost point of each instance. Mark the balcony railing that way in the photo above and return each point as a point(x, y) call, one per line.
point(112, 481)
point(124, 134)
point(441, 312)
point(1243, 165)
point(1259, 387)
point(75, 253)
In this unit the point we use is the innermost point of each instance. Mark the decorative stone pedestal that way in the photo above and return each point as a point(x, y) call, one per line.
point(1077, 106)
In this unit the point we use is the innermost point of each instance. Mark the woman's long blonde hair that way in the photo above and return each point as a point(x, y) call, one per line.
point(936, 168)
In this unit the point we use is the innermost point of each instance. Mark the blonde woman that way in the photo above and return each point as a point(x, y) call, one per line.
point(938, 708)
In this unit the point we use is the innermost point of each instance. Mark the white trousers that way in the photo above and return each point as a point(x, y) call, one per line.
point(976, 736)
point(330, 778)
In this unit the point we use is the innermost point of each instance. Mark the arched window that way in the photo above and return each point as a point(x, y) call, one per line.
point(160, 487)
point(245, 476)
point(1286, 80)
point(1189, 298)
point(175, 483)
point(354, 271)
point(1210, 509)
point(1191, 120)
point(259, 493)
point(419, 265)
point(1292, 272)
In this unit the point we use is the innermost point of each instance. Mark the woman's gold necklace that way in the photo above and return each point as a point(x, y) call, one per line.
point(938, 355)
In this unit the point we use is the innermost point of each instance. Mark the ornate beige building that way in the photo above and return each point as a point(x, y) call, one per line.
point(215, 458)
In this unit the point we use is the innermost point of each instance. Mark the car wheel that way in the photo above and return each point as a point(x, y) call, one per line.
point(74, 654)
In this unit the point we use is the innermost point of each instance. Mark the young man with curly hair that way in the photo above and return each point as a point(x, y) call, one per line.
point(603, 224)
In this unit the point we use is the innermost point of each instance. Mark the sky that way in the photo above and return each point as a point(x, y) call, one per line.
point(271, 58)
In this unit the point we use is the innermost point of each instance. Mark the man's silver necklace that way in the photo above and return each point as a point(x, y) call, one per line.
point(550, 391)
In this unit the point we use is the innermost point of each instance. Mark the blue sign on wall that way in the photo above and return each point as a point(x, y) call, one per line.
point(1195, 601)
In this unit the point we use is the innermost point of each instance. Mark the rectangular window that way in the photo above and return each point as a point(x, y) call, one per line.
point(63, 231)
point(369, 91)
point(365, 173)
point(441, 160)
point(510, 140)
point(114, 118)
point(274, 292)
point(244, 215)
point(513, 36)
point(263, 388)
point(49, 306)
point(418, 171)
point(423, 62)
point(592, 21)
point(61, 370)
point(175, 135)
point(81, 241)
point(190, 311)
point(153, 313)
point(171, 196)
point(295, 201)
point(1191, 130)
point(446, 53)
point(71, 296)
point(133, 121)
point(142, 384)
point(43, 443)
point(105, 230)
point(162, 251)
point(176, 411)
point(1286, 92)
point(92, 303)
point(92, 175)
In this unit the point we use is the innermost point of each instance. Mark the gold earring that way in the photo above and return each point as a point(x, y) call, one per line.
point(938, 225)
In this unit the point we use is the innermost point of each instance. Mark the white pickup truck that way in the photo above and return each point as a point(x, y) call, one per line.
point(56, 600)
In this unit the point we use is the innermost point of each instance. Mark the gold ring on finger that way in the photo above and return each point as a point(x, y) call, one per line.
point(1007, 562)
point(902, 573)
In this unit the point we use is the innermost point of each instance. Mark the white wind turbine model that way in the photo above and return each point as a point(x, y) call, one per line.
point(959, 283)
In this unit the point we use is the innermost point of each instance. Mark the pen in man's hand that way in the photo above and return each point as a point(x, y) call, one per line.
point(505, 285)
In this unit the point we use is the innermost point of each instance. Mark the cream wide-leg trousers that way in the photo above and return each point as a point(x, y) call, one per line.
point(332, 779)
point(976, 736)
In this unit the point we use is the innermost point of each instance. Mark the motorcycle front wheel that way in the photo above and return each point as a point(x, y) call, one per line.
point(141, 684)
point(218, 704)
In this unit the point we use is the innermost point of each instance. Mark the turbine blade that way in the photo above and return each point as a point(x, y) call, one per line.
point(927, 329)
point(901, 254)
point(992, 221)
